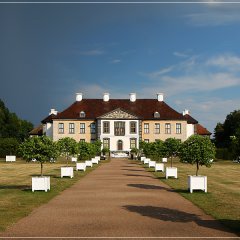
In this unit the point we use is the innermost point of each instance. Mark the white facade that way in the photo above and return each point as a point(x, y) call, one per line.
point(48, 129)
point(113, 140)
point(190, 130)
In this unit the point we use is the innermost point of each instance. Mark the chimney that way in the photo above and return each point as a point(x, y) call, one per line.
point(160, 97)
point(185, 111)
point(78, 97)
point(132, 97)
point(53, 111)
point(106, 97)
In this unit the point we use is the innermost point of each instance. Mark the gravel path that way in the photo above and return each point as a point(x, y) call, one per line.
point(118, 199)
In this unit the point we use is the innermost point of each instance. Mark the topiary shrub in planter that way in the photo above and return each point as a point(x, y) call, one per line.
point(197, 150)
point(134, 152)
point(106, 152)
point(43, 149)
point(67, 147)
point(172, 146)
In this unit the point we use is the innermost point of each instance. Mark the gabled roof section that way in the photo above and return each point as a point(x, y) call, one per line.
point(119, 114)
point(37, 131)
point(95, 108)
point(190, 119)
point(202, 130)
point(49, 118)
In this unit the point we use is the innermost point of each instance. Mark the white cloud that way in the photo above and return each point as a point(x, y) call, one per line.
point(93, 52)
point(179, 54)
point(116, 61)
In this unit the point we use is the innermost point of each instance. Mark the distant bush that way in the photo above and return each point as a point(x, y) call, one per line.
point(8, 146)
point(224, 153)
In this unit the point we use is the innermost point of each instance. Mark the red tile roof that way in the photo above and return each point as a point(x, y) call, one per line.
point(190, 119)
point(37, 131)
point(94, 108)
point(202, 130)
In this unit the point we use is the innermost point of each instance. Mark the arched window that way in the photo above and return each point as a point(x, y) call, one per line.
point(82, 114)
point(156, 115)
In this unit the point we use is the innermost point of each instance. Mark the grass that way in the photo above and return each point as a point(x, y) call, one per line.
point(222, 200)
point(16, 197)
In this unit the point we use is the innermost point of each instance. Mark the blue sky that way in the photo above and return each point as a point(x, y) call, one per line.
point(190, 52)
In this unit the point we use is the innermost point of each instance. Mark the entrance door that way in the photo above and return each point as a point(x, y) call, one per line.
point(120, 145)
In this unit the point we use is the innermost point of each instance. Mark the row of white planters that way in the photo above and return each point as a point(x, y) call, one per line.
point(194, 182)
point(43, 183)
point(10, 158)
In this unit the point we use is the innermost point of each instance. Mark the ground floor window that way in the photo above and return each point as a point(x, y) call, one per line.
point(106, 143)
point(146, 140)
point(133, 143)
point(82, 140)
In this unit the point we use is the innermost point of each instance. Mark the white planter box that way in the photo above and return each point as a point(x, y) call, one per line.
point(164, 160)
point(146, 160)
point(89, 163)
point(98, 158)
point(67, 172)
point(197, 183)
point(151, 164)
point(171, 172)
point(10, 158)
point(74, 159)
point(142, 159)
point(94, 160)
point(41, 183)
point(81, 166)
point(159, 167)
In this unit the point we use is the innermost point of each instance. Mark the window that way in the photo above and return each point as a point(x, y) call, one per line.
point(157, 128)
point(106, 143)
point(133, 143)
point(82, 127)
point(156, 115)
point(119, 128)
point(93, 128)
point(61, 128)
point(146, 127)
point(106, 128)
point(133, 128)
point(146, 140)
point(92, 140)
point(71, 128)
point(167, 128)
point(82, 114)
point(82, 140)
point(178, 128)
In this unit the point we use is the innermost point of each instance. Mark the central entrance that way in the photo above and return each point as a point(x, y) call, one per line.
point(119, 145)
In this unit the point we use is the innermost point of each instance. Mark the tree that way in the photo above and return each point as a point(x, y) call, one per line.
point(235, 146)
point(67, 146)
point(8, 146)
point(172, 146)
point(197, 150)
point(97, 145)
point(40, 148)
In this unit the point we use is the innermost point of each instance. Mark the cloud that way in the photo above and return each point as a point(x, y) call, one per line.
point(116, 61)
point(179, 54)
point(215, 14)
point(93, 52)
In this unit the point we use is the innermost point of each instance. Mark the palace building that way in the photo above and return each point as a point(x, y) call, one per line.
point(120, 123)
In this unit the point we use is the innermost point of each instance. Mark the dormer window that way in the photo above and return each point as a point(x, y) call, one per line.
point(156, 115)
point(82, 114)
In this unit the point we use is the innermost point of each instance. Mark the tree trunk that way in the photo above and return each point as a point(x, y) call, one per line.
point(171, 161)
point(41, 169)
point(197, 169)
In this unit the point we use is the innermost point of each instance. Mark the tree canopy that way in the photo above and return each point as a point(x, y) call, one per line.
point(11, 126)
point(172, 146)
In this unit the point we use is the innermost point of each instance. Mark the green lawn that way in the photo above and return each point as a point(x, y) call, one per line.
point(222, 200)
point(16, 197)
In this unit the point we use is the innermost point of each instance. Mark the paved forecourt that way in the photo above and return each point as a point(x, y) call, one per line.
point(118, 199)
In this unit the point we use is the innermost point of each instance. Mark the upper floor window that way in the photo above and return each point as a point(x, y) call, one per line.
point(93, 128)
point(82, 127)
point(119, 128)
point(133, 127)
point(106, 127)
point(61, 128)
point(71, 127)
point(167, 128)
point(82, 114)
point(156, 115)
point(178, 128)
point(146, 127)
point(157, 128)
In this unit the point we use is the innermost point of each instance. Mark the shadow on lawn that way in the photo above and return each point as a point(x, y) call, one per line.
point(20, 187)
point(174, 215)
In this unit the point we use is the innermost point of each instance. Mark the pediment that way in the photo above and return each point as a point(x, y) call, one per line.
point(119, 114)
